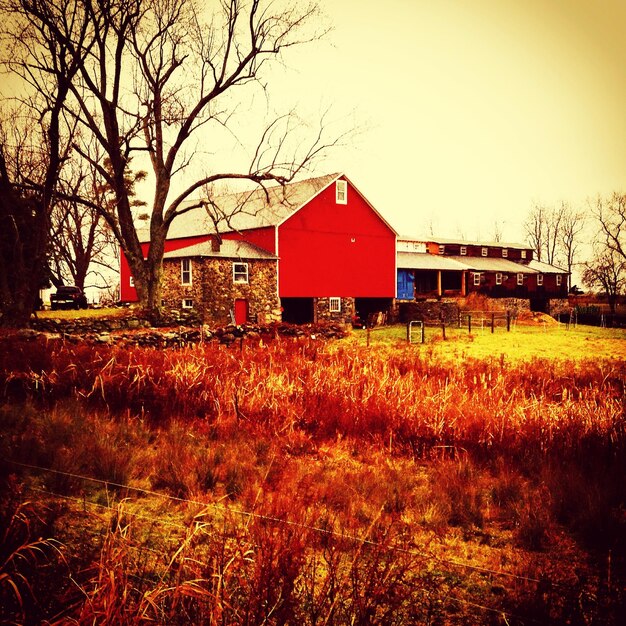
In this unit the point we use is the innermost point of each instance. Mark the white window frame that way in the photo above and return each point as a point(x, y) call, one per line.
point(559, 280)
point(539, 280)
point(131, 281)
point(523, 254)
point(341, 192)
point(442, 249)
point(186, 272)
point(484, 251)
point(187, 303)
point(520, 279)
point(505, 253)
point(463, 250)
point(334, 305)
point(498, 278)
point(241, 273)
point(476, 279)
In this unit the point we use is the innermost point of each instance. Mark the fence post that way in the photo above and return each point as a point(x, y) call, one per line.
point(423, 332)
point(508, 321)
point(469, 323)
point(493, 322)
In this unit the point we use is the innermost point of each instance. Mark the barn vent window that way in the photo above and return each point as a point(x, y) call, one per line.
point(477, 279)
point(523, 254)
point(240, 272)
point(520, 279)
point(540, 279)
point(463, 250)
point(484, 251)
point(341, 192)
point(132, 281)
point(559, 280)
point(505, 253)
point(334, 306)
point(498, 278)
point(187, 303)
point(185, 271)
point(442, 249)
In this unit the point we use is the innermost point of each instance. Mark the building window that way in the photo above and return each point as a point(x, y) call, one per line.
point(334, 306)
point(185, 271)
point(523, 254)
point(539, 279)
point(240, 272)
point(132, 281)
point(498, 278)
point(442, 249)
point(559, 280)
point(463, 250)
point(520, 279)
point(484, 251)
point(505, 253)
point(341, 192)
point(477, 279)
point(187, 303)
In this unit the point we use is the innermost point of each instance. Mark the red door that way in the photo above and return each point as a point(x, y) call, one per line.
point(241, 311)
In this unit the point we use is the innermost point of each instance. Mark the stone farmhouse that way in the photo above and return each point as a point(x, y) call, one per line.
point(317, 250)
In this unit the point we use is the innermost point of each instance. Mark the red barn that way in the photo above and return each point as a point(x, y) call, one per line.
point(336, 253)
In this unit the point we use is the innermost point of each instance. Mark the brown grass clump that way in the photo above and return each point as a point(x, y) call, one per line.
point(310, 483)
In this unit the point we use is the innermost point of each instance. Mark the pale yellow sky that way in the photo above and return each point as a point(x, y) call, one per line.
point(476, 108)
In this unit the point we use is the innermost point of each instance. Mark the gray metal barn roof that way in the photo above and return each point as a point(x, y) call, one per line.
point(488, 264)
point(425, 261)
point(230, 249)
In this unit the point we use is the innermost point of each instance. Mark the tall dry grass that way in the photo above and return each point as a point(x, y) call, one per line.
point(382, 444)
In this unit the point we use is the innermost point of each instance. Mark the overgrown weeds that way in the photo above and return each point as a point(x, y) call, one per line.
point(323, 484)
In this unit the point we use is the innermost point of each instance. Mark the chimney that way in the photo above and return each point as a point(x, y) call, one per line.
point(216, 243)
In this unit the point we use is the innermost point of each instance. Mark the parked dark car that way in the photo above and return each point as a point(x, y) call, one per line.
point(68, 298)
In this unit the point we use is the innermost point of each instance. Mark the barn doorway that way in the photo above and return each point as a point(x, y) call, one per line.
point(241, 311)
point(298, 310)
point(366, 307)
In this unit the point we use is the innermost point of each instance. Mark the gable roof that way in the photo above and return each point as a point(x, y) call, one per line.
point(466, 242)
point(257, 208)
point(426, 261)
point(230, 249)
point(546, 268)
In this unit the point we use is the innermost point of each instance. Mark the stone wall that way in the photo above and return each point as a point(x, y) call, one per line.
point(344, 316)
point(214, 292)
point(428, 311)
point(558, 306)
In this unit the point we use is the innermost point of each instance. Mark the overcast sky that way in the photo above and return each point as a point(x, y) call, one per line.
point(475, 108)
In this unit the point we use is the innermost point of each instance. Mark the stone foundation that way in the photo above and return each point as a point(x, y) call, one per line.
point(324, 314)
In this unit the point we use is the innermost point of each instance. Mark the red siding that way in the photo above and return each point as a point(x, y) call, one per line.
point(263, 237)
point(329, 249)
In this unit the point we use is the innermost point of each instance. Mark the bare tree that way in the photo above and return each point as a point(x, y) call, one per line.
point(572, 227)
point(34, 143)
point(81, 242)
point(553, 227)
point(611, 216)
point(535, 229)
point(161, 80)
point(606, 270)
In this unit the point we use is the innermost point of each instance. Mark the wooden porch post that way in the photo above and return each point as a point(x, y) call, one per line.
point(464, 283)
point(439, 292)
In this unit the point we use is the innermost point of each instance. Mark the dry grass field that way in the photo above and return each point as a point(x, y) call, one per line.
point(477, 480)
